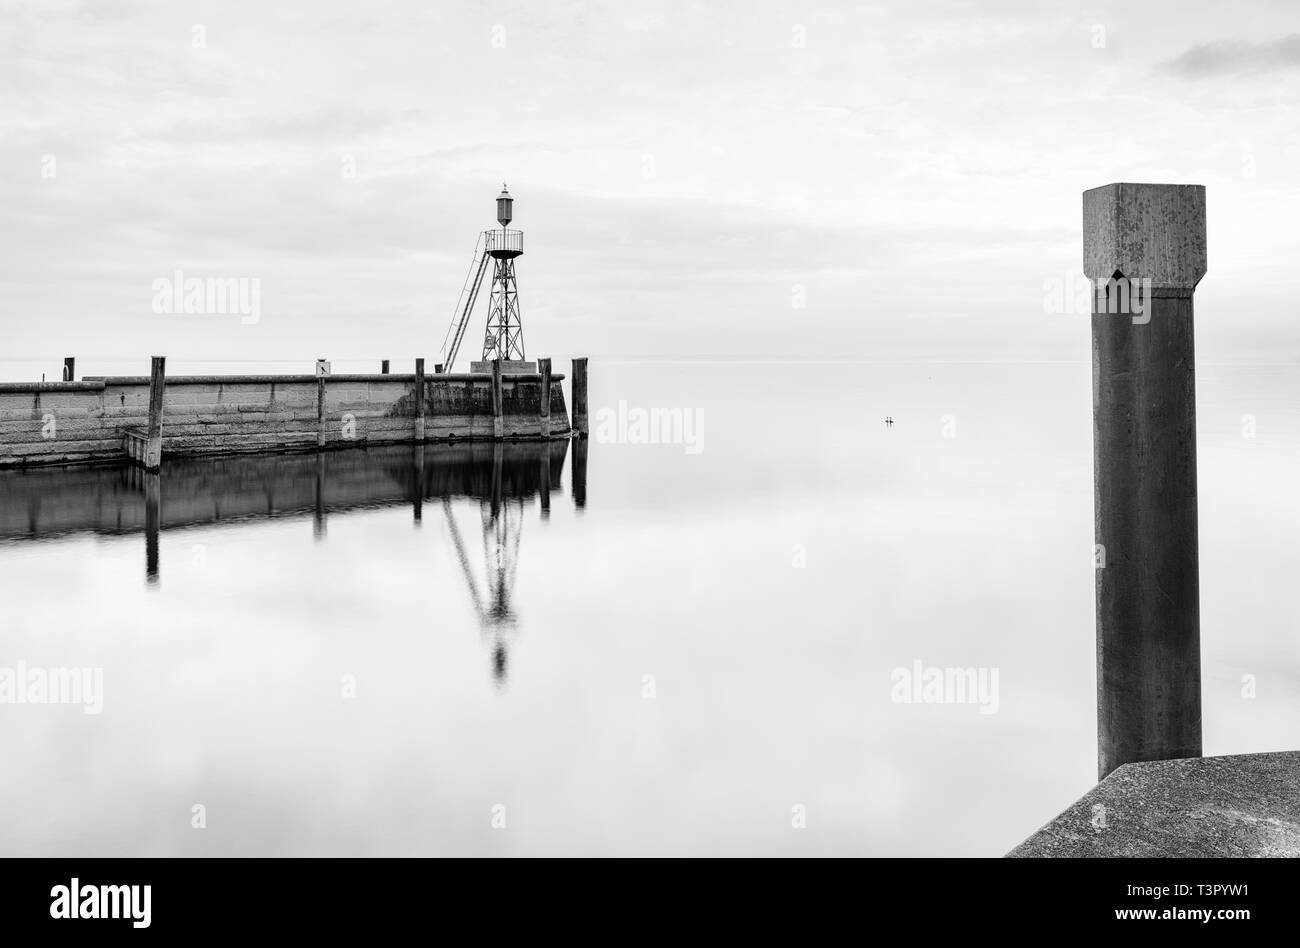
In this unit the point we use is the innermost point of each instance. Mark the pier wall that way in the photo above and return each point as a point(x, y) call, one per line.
point(87, 421)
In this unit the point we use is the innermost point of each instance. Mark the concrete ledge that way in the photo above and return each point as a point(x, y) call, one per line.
point(96, 383)
point(84, 386)
point(1245, 805)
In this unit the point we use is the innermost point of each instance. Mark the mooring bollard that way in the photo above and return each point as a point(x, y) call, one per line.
point(544, 366)
point(157, 387)
point(579, 384)
point(498, 422)
point(70, 369)
point(419, 400)
point(383, 367)
point(1144, 249)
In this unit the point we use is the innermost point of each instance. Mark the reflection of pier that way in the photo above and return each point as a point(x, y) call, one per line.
point(46, 503)
point(43, 503)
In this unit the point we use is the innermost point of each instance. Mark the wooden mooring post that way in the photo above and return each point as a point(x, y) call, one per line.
point(1144, 249)
point(419, 400)
point(498, 402)
point(70, 369)
point(579, 384)
point(544, 366)
point(157, 388)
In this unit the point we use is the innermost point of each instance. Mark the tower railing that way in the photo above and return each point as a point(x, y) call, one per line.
point(507, 240)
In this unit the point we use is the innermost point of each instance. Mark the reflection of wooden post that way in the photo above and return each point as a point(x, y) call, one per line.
point(498, 401)
point(383, 367)
point(152, 524)
point(70, 369)
point(157, 387)
point(318, 521)
point(544, 366)
point(1145, 244)
point(419, 400)
point(580, 472)
point(579, 384)
point(418, 500)
point(544, 477)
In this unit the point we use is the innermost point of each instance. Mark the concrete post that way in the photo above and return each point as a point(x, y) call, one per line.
point(157, 387)
point(419, 400)
point(383, 367)
point(579, 384)
point(70, 369)
point(544, 366)
point(1144, 250)
point(498, 422)
point(320, 411)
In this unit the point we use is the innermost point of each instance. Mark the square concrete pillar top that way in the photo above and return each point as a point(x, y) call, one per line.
point(1154, 232)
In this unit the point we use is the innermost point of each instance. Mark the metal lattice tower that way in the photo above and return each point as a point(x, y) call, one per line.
point(505, 332)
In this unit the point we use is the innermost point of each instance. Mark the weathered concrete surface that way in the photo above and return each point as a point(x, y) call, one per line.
point(1150, 232)
point(1245, 805)
point(508, 367)
point(58, 423)
point(1144, 462)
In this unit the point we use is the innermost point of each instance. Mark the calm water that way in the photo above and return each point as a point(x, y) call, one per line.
point(649, 649)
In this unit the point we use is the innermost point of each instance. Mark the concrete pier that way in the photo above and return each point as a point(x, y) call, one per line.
point(1144, 248)
point(1247, 805)
point(106, 419)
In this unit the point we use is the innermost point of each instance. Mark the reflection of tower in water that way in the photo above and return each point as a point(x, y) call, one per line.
point(502, 520)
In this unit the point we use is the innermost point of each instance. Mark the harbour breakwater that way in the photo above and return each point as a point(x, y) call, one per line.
point(140, 418)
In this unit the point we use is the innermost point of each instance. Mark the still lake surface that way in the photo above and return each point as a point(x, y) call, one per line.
point(376, 652)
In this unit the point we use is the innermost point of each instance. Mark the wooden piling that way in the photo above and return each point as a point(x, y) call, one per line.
point(383, 367)
point(1144, 249)
point(419, 400)
point(320, 411)
point(498, 402)
point(579, 384)
point(70, 369)
point(157, 388)
point(544, 366)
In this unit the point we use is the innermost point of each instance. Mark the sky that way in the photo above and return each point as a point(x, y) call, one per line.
point(759, 181)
